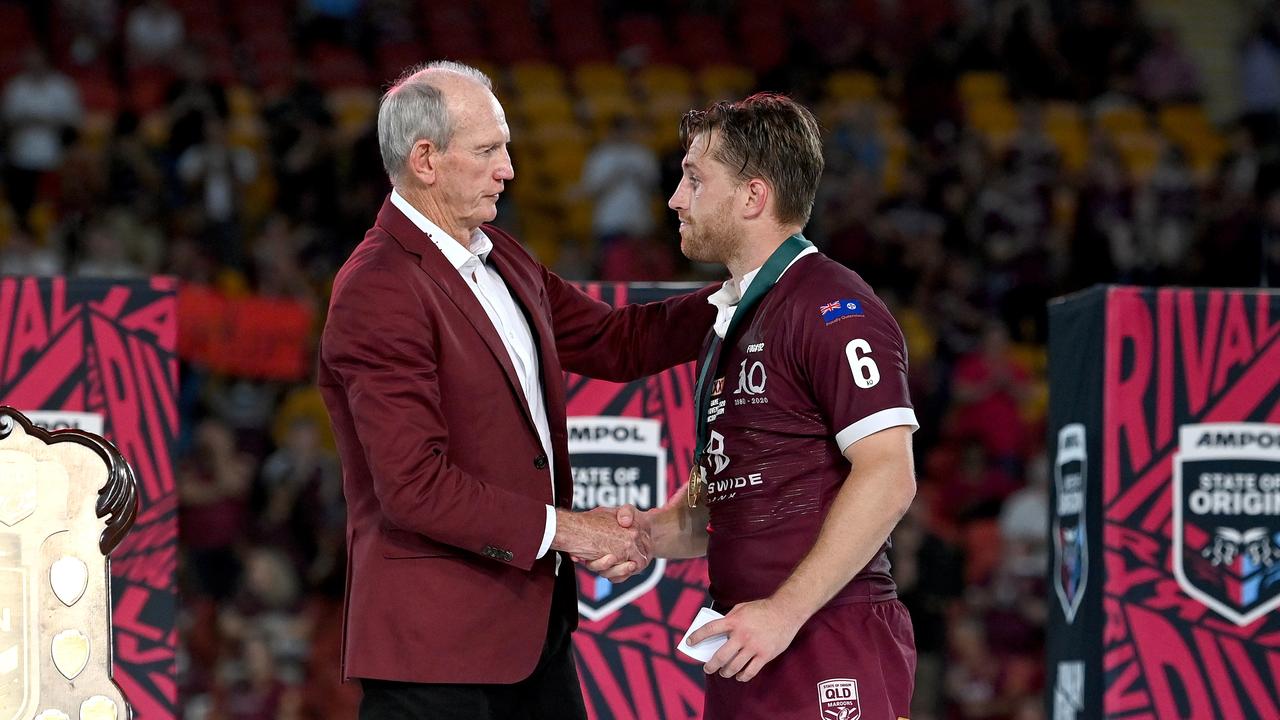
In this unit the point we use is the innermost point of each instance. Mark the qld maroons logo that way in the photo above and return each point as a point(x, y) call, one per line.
point(616, 461)
point(838, 699)
point(1226, 517)
point(1070, 540)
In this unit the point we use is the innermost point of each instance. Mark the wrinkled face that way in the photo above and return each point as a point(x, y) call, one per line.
point(704, 202)
point(473, 170)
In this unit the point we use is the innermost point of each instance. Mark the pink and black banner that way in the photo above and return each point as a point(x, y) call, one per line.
point(633, 443)
point(101, 355)
point(1165, 442)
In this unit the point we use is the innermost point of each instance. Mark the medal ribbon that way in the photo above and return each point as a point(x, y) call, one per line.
point(760, 285)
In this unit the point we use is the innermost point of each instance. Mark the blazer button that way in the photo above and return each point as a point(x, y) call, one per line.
point(540, 462)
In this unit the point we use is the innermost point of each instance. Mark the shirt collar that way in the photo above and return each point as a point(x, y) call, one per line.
point(726, 299)
point(457, 255)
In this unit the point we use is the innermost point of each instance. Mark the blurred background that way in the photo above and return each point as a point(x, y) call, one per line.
point(983, 156)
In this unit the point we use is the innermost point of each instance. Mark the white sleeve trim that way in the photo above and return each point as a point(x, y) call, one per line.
point(874, 423)
point(549, 533)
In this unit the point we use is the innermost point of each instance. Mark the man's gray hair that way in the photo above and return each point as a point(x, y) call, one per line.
point(414, 109)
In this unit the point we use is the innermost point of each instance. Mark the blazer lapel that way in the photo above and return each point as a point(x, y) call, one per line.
point(444, 274)
point(525, 292)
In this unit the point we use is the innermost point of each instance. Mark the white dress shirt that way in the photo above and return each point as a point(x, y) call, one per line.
point(508, 321)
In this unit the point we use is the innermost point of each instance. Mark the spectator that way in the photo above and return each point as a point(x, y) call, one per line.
point(153, 31)
point(41, 109)
point(1166, 74)
point(621, 177)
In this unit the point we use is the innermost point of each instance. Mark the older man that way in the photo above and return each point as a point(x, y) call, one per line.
point(441, 366)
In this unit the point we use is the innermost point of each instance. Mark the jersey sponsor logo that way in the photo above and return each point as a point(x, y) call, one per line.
point(838, 699)
point(715, 451)
point(837, 310)
point(1070, 541)
point(616, 460)
point(1226, 517)
point(755, 347)
point(715, 410)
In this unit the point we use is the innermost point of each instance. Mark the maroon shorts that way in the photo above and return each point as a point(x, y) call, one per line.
point(850, 661)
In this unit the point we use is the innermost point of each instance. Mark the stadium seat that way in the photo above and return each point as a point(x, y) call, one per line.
point(977, 87)
point(725, 82)
point(537, 77)
point(1122, 119)
point(600, 78)
point(853, 85)
point(664, 80)
point(645, 35)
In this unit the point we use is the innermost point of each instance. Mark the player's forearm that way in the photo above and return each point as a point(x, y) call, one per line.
point(863, 514)
point(678, 531)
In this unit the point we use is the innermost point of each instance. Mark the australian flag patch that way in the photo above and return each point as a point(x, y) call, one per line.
point(839, 310)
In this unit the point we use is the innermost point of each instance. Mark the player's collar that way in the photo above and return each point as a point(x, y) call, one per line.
point(726, 299)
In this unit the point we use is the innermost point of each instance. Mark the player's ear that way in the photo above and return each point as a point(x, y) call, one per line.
point(756, 197)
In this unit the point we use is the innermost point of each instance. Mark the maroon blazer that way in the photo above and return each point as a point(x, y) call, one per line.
point(444, 475)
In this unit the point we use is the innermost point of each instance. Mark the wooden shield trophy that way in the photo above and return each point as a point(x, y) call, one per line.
point(67, 498)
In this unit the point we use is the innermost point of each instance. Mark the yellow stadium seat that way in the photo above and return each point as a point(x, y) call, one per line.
point(537, 77)
point(601, 110)
point(597, 78)
point(353, 108)
point(545, 107)
point(660, 80)
point(853, 85)
point(725, 82)
point(1141, 153)
point(1060, 116)
point(1122, 120)
point(557, 134)
point(978, 87)
point(241, 101)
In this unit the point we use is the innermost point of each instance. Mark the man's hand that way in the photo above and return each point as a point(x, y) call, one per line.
point(598, 538)
point(611, 567)
point(758, 632)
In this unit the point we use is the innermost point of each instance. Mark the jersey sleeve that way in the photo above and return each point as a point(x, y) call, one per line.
point(855, 359)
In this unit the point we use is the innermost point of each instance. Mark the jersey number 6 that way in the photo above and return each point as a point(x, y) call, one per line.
point(865, 372)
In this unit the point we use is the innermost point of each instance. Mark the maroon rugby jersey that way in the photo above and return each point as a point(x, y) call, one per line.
point(819, 364)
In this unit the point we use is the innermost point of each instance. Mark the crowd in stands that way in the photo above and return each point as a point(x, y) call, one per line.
point(982, 158)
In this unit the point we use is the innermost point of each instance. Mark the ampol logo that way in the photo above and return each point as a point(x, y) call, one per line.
point(838, 699)
point(1226, 517)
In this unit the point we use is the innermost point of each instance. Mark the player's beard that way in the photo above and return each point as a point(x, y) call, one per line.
point(712, 238)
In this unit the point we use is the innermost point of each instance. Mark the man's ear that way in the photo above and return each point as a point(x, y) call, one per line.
point(424, 161)
point(756, 198)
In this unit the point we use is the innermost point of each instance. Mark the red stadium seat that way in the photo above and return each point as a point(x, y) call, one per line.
point(644, 34)
point(338, 67)
point(702, 40)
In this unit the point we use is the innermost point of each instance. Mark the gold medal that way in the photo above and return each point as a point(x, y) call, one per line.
point(697, 481)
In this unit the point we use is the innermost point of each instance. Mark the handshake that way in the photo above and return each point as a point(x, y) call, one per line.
point(615, 543)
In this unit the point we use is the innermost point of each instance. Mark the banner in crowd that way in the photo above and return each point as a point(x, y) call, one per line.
point(253, 337)
point(100, 356)
point(1165, 514)
point(633, 443)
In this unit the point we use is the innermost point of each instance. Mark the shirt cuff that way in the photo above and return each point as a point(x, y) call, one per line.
point(874, 423)
point(549, 534)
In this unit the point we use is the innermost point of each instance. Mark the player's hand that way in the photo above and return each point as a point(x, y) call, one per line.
point(758, 632)
point(609, 566)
